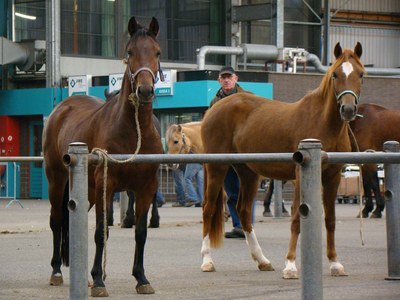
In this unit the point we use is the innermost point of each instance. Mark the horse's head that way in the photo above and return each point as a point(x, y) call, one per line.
point(346, 76)
point(176, 140)
point(143, 59)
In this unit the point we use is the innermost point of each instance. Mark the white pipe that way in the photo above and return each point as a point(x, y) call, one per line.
point(312, 58)
point(203, 51)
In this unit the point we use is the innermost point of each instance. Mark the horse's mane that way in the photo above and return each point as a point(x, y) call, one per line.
point(326, 81)
point(171, 128)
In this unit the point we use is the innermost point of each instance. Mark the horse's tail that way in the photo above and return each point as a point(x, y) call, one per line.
point(216, 228)
point(65, 228)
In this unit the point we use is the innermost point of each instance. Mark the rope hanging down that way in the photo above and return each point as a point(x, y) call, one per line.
point(360, 184)
point(103, 159)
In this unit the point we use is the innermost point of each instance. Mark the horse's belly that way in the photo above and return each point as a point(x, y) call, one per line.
point(279, 171)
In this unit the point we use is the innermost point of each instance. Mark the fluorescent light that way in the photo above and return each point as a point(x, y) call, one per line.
point(25, 16)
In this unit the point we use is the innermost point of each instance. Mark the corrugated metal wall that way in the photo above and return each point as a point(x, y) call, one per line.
point(381, 46)
point(366, 5)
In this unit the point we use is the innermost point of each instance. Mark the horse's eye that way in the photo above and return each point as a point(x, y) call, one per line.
point(158, 53)
point(334, 76)
point(176, 142)
point(361, 75)
point(129, 52)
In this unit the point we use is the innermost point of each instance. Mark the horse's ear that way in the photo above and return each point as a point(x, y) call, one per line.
point(179, 128)
point(338, 50)
point(154, 28)
point(133, 26)
point(358, 49)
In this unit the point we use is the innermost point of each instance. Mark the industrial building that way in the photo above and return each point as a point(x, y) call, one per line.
point(279, 48)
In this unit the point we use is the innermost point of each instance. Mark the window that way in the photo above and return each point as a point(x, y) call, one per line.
point(96, 27)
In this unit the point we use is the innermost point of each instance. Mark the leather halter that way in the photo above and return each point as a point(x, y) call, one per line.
point(184, 144)
point(133, 76)
point(338, 96)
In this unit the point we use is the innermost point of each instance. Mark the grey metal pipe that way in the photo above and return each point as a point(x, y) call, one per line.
point(360, 157)
point(311, 221)
point(203, 51)
point(392, 174)
point(312, 58)
point(277, 199)
point(200, 158)
point(78, 206)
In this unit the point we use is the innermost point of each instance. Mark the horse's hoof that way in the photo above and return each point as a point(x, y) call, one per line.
point(376, 215)
point(266, 267)
point(290, 275)
point(123, 225)
point(154, 224)
point(99, 292)
point(338, 272)
point(267, 214)
point(363, 215)
point(145, 289)
point(56, 279)
point(208, 267)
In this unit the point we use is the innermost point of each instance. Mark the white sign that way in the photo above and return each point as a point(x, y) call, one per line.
point(115, 82)
point(79, 85)
point(165, 88)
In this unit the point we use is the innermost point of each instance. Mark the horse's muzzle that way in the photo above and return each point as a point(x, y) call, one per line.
point(145, 94)
point(348, 112)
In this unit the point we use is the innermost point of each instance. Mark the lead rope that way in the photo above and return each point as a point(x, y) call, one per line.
point(360, 184)
point(103, 158)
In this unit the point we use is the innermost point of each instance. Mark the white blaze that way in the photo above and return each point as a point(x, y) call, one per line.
point(347, 68)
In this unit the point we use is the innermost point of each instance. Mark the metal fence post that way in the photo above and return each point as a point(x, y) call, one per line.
point(392, 197)
point(278, 199)
point(310, 211)
point(78, 206)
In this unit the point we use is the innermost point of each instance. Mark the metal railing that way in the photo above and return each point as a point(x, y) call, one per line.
point(309, 158)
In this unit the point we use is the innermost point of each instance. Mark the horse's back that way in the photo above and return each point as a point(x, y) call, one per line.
point(66, 124)
point(377, 125)
point(243, 119)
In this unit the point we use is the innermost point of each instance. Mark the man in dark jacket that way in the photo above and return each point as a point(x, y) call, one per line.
point(228, 81)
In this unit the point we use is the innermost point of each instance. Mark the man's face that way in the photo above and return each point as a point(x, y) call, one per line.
point(227, 82)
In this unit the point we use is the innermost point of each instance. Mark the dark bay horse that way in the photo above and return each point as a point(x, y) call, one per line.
point(129, 219)
point(378, 125)
point(244, 123)
point(109, 125)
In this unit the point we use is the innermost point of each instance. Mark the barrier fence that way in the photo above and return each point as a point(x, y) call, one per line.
point(309, 158)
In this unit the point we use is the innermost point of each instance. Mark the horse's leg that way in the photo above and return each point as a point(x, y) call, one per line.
point(98, 288)
point(330, 186)
point(367, 185)
point(155, 216)
point(267, 199)
point(59, 225)
point(129, 220)
point(144, 198)
point(212, 212)
point(380, 202)
point(110, 212)
point(247, 193)
point(290, 271)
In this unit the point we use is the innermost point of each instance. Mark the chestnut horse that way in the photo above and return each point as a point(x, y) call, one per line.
point(377, 125)
point(112, 126)
point(244, 123)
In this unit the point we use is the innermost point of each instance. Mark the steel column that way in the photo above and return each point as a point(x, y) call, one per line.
point(277, 199)
point(392, 197)
point(311, 220)
point(78, 206)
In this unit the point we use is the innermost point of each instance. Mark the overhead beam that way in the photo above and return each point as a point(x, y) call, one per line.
point(252, 12)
